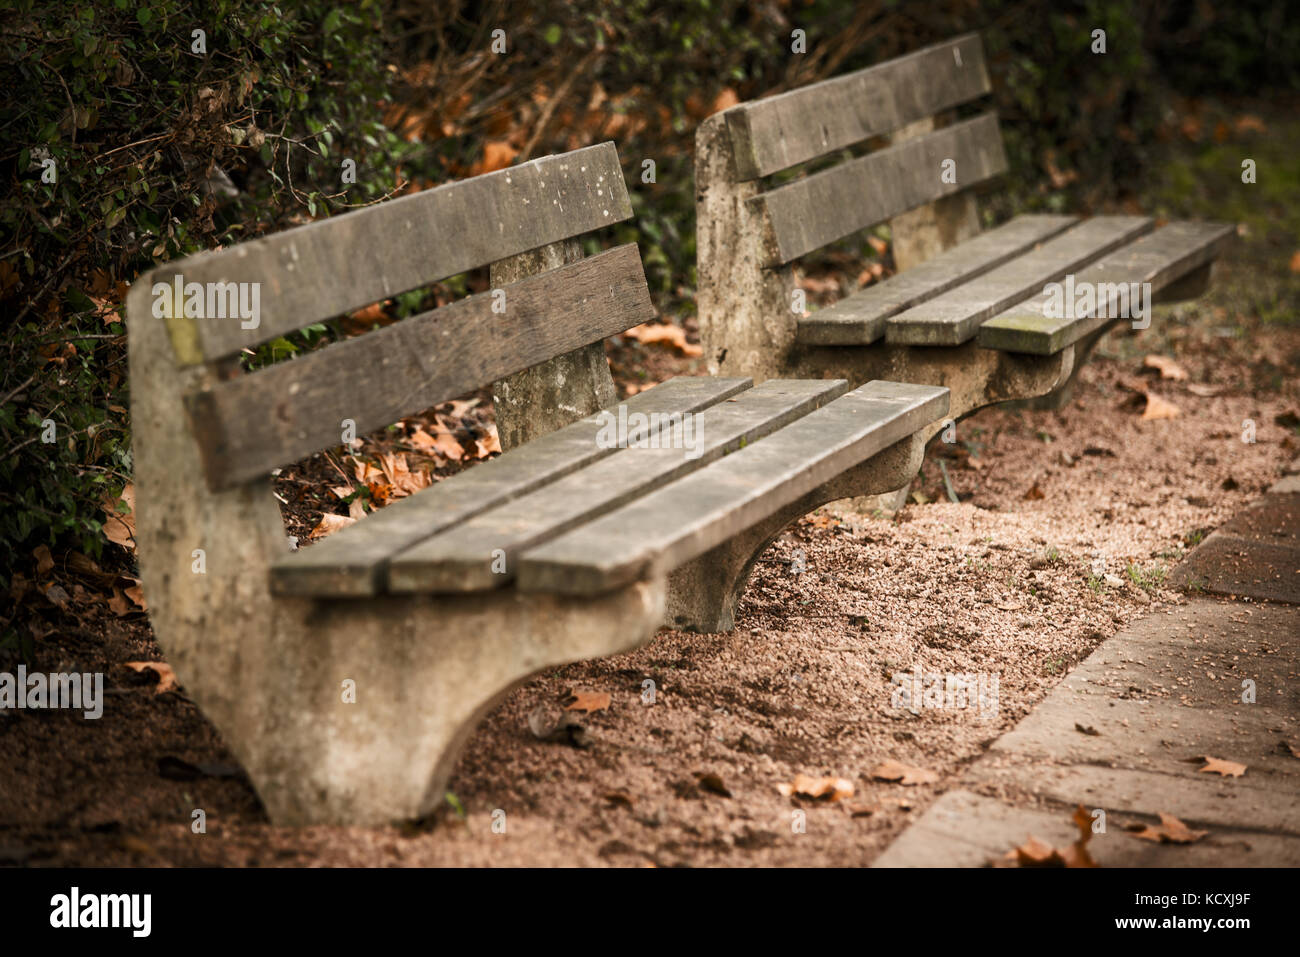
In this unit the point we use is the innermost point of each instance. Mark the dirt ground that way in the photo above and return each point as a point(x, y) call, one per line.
point(1065, 527)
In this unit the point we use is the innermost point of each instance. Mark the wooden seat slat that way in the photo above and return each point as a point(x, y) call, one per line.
point(859, 319)
point(1159, 258)
point(481, 553)
point(668, 527)
point(955, 316)
point(352, 561)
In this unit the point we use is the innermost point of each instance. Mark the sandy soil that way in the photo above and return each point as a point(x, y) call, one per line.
point(1065, 527)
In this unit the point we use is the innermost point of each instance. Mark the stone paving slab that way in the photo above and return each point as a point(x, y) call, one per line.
point(1124, 730)
point(1256, 554)
point(963, 829)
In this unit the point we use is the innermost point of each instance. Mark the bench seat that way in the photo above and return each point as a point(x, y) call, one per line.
point(562, 515)
point(949, 299)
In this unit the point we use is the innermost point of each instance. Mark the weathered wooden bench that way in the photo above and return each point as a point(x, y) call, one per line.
point(967, 309)
point(346, 675)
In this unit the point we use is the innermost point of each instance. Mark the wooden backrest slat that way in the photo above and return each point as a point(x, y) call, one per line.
point(809, 213)
point(247, 426)
point(317, 271)
point(776, 133)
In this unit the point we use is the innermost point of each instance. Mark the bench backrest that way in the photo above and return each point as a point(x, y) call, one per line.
point(780, 132)
point(248, 424)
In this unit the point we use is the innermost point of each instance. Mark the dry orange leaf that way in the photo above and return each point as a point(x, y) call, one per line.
point(496, 155)
point(1035, 493)
point(904, 774)
point(588, 701)
point(1228, 769)
point(166, 678)
point(330, 523)
point(119, 604)
point(1168, 368)
point(664, 334)
point(1158, 408)
point(119, 527)
point(820, 789)
point(44, 560)
point(1169, 831)
point(1295, 261)
point(1036, 852)
point(489, 445)
point(439, 443)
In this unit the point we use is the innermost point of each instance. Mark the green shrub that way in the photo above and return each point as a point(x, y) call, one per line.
point(150, 139)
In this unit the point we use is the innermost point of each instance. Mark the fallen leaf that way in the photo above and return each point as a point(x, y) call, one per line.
point(904, 774)
point(488, 446)
point(118, 603)
point(1034, 494)
point(119, 527)
point(401, 479)
point(1295, 261)
point(1228, 769)
point(330, 523)
point(712, 783)
point(1168, 368)
point(1036, 852)
point(619, 798)
point(1204, 391)
point(439, 443)
point(1169, 831)
point(588, 701)
point(823, 788)
point(1158, 408)
point(664, 334)
point(496, 155)
point(1088, 730)
point(1286, 747)
point(44, 561)
point(166, 678)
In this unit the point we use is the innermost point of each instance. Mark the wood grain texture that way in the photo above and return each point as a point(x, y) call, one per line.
point(781, 131)
point(809, 213)
point(954, 317)
point(481, 553)
point(860, 318)
point(326, 268)
point(1161, 259)
point(686, 518)
point(278, 415)
point(353, 561)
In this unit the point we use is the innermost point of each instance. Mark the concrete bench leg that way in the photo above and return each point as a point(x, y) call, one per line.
point(703, 593)
point(342, 711)
point(976, 377)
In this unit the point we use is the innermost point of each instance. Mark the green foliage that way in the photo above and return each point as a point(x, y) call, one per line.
point(150, 138)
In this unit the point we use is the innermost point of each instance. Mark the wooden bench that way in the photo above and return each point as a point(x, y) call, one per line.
point(346, 675)
point(967, 309)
